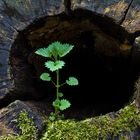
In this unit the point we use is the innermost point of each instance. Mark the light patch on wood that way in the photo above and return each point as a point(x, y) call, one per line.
point(116, 8)
point(125, 47)
point(132, 22)
point(107, 10)
point(4, 130)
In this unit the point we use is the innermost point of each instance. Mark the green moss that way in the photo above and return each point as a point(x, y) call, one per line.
point(103, 127)
point(27, 127)
point(97, 128)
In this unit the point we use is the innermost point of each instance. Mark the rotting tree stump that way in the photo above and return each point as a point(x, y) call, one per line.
point(22, 21)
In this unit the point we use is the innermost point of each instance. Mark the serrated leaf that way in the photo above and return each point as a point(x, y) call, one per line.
point(53, 66)
point(72, 81)
point(54, 49)
point(57, 48)
point(64, 104)
point(64, 49)
point(60, 94)
point(45, 77)
point(44, 52)
point(56, 103)
point(52, 116)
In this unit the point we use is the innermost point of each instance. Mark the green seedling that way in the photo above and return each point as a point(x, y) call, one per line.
point(55, 52)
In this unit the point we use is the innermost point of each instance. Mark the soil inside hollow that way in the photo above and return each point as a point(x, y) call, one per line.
point(101, 62)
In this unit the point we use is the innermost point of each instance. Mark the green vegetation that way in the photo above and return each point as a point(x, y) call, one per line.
point(98, 128)
point(117, 125)
point(55, 52)
point(27, 127)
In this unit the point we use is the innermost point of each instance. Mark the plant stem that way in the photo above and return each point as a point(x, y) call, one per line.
point(57, 91)
point(57, 84)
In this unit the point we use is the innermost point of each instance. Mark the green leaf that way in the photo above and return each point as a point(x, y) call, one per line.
point(44, 52)
point(60, 94)
point(64, 104)
point(56, 103)
point(45, 77)
point(55, 49)
point(64, 49)
point(62, 117)
point(53, 66)
point(52, 116)
point(72, 81)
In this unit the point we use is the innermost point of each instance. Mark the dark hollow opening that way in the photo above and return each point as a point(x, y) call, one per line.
point(101, 62)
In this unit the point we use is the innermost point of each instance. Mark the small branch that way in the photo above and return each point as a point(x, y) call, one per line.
point(53, 83)
point(52, 58)
point(62, 84)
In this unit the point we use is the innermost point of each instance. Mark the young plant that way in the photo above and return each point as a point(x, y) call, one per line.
point(55, 52)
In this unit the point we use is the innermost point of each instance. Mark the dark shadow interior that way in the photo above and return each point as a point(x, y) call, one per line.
point(100, 62)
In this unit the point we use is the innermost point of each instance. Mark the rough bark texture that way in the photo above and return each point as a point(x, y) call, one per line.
point(126, 13)
point(17, 15)
point(132, 19)
point(114, 9)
